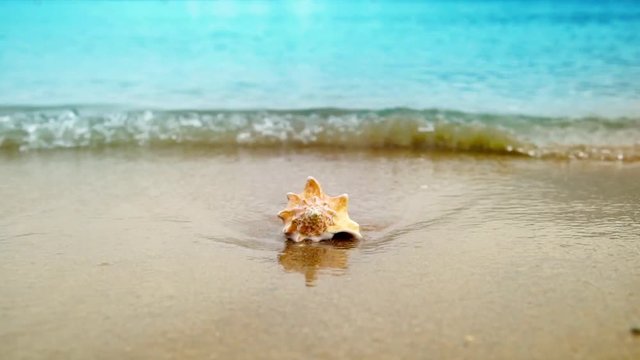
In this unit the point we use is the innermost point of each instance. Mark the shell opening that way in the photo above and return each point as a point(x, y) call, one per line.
point(346, 236)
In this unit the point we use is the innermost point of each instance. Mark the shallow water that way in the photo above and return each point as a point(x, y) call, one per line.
point(540, 79)
point(177, 253)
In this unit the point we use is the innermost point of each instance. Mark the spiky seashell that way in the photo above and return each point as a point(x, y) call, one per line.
point(316, 216)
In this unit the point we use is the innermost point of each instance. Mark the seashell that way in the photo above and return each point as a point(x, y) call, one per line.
point(316, 216)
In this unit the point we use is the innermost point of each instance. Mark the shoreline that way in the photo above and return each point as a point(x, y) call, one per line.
point(589, 138)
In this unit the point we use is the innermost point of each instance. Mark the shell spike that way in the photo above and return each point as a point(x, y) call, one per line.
point(312, 187)
point(341, 201)
point(286, 214)
point(294, 199)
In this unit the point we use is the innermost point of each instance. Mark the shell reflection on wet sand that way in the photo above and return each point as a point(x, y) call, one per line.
point(311, 258)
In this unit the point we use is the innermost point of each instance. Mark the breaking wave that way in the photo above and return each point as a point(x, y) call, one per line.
point(28, 129)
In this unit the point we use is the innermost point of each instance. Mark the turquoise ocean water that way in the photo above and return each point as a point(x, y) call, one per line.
point(535, 78)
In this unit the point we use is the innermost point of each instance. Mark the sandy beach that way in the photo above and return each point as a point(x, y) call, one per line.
point(177, 253)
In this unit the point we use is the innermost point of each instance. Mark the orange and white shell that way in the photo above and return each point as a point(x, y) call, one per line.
point(316, 216)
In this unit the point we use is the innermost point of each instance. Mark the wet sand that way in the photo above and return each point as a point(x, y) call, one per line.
point(177, 254)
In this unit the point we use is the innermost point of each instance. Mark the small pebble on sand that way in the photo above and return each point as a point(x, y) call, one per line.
point(469, 339)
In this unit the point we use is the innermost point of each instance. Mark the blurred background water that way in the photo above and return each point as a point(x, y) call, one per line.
point(555, 58)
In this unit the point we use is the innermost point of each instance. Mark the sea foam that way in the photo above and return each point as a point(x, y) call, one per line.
point(27, 129)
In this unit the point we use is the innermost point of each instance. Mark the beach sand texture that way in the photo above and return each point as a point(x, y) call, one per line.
point(178, 253)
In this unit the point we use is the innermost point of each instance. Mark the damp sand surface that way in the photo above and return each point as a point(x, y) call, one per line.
point(174, 253)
